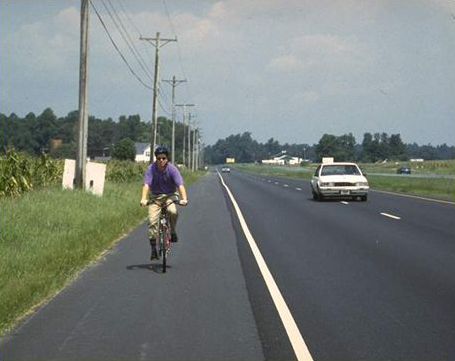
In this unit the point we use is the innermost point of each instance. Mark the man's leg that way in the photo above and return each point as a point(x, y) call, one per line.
point(154, 213)
point(173, 216)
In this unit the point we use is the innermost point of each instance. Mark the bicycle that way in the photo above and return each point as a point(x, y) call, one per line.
point(164, 230)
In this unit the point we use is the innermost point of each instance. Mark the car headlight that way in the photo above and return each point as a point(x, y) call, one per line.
point(362, 184)
point(326, 184)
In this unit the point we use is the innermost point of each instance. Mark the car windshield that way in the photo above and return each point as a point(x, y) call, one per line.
point(336, 169)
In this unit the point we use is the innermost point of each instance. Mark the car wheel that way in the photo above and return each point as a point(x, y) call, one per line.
point(315, 196)
point(364, 198)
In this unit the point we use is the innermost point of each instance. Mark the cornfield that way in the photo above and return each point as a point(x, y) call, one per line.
point(20, 173)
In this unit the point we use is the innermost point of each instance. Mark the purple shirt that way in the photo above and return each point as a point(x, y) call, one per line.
point(166, 181)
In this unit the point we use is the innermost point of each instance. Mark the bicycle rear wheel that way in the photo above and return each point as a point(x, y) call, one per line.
point(163, 249)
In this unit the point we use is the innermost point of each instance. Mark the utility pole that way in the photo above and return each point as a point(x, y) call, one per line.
point(190, 147)
point(157, 43)
point(81, 159)
point(193, 162)
point(198, 150)
point(189, 140)
point(174, 82)
point(184, 118)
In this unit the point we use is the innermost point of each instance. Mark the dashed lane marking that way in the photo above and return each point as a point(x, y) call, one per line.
point(344, 202)
point(295, 337)
point(298, 189)
point(390, 215)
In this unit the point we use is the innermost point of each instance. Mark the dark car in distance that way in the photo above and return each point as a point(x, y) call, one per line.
point(404, 170)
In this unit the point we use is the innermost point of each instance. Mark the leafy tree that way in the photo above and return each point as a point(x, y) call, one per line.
point(45, 129)
point(327, 147)
point(397, 149)
point(124, 150)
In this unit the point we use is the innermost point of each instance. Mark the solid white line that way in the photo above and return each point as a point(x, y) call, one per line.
point(298, 189)
point(298, 344)
point(416, 197)
point(390, 215)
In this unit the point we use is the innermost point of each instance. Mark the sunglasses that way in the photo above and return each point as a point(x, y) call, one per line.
point(161, 158)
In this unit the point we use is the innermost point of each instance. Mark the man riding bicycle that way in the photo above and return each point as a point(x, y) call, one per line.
point(162, 180)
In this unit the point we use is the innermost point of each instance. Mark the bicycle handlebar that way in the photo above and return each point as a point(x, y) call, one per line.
point(167, 204)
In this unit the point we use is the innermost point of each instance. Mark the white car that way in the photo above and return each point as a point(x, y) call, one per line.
point(339, 180)
point(225, 169)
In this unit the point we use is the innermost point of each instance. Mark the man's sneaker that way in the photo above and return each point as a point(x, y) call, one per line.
point(154, 254)
point(174, 238)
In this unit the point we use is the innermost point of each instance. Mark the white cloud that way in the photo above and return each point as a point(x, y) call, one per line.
point(310, 97)
point(286, 63)
point(68, 19)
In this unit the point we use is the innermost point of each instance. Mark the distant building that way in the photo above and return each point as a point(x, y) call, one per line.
point(283, 159)
point(142, 152)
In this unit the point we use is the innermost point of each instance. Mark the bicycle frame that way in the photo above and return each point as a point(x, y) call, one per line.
point(164, 236)
point(164, 230)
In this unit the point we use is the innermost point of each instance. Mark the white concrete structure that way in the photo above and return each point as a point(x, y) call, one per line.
point(94, 180)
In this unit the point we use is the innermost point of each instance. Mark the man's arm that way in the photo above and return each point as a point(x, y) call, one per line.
point(145, 195)
point(183, 195)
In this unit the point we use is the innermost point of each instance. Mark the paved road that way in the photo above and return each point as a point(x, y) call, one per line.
point(360, 284)
point(125, 309)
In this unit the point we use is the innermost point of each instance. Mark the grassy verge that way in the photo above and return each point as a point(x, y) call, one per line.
point(437, 188)
point(425, 187)
point(48, 236)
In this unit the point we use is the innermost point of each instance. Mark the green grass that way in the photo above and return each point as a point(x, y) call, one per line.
point(437, 167)
point(48, 236)
point(438, 188)
point(278, 171)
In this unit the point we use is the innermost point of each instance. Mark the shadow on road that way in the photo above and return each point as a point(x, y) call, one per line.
point(155, 267)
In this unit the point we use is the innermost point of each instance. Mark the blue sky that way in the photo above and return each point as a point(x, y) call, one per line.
point(288, 69)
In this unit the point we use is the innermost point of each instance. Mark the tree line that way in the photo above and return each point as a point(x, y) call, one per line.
point(57, 136)
point(374, 147)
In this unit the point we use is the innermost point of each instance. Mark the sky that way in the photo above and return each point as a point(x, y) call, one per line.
point(291, 70)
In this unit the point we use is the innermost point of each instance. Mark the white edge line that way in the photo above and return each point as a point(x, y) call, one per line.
point(416, 197)
point(390, 215)
point(298, 344)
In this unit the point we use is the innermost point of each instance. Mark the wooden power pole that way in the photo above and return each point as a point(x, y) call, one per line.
point(157, 43)
point(174, 82)
point(81, 159)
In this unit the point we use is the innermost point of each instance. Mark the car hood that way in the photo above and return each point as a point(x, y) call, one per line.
point(343, 178)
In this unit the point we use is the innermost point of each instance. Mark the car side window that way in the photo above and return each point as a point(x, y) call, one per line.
point(316, 173)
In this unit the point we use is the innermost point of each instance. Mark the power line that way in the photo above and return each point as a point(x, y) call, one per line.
point(126, 37)
point(179, 50)
point(129, 18)
point(117, 48)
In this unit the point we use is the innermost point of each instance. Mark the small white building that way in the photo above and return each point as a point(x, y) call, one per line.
point(283, 159)
point(142, 152)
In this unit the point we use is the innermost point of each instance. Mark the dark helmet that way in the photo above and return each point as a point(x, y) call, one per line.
point(161, 150)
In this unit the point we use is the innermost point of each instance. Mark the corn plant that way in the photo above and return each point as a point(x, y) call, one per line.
point(20, 173)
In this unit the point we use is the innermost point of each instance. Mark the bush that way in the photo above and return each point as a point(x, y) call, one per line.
point(125, 171)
